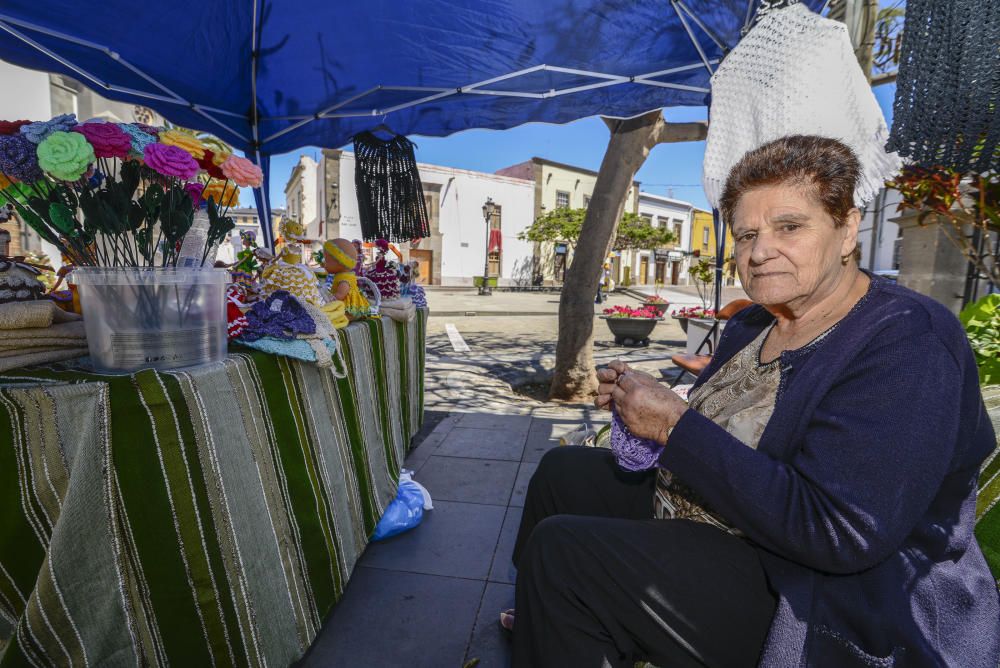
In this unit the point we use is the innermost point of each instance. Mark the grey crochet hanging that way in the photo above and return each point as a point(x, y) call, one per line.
point(390, 195)
point(945, 112)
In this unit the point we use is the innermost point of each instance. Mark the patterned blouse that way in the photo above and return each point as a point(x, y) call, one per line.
point(739, 397)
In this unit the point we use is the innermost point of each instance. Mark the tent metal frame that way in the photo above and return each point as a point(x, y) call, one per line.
point(15, 27)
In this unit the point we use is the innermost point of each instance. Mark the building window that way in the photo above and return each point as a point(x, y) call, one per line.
point(678, 228)
point(897, 250)
point(586, 201)
point(646, 218)
point(704, 240)
point(562, 199)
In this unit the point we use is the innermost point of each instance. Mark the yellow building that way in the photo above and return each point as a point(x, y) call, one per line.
point(703, 240)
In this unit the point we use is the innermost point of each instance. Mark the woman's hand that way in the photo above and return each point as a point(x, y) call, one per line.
point(647, 408)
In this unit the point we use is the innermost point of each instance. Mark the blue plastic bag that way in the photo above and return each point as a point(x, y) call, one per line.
point(406, 510)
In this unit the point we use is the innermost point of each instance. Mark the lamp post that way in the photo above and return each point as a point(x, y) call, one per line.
point(488, 210)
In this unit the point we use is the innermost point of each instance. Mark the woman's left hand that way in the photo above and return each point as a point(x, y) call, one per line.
point(649, 409)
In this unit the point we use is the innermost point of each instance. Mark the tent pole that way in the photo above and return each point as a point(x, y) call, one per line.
point(720, 249)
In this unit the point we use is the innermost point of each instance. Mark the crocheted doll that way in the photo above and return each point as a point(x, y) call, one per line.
point(340, 258)
point(411, 288)
point(384, 274)
point(289, 273)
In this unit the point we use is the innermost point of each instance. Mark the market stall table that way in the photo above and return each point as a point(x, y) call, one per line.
point(205, 516)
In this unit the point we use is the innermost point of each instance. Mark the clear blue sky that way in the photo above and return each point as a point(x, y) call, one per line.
point(580, 143)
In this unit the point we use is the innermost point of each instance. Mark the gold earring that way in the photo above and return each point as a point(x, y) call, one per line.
point(844, 259)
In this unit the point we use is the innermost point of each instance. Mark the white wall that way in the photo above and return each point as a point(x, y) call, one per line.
point(877, 229)
point(26, 94)
point(461, 223)
point(302, 196)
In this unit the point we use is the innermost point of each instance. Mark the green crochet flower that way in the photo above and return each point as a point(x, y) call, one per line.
point(65, 155)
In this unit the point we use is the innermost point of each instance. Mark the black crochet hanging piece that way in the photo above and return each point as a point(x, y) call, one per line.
point(948, 91)
point(390, 195)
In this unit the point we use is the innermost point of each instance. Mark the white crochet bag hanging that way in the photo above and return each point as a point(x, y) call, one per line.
point(794, 73)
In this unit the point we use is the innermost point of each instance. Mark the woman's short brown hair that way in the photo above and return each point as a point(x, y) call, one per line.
point(826, 164)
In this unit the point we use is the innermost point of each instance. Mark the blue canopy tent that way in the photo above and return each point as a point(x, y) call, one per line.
point(271, 76)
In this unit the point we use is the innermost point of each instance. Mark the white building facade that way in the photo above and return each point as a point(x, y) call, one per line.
point(667, 266)
point(878, 237)
point(322, 195)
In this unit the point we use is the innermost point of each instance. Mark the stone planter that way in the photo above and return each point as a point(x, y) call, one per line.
point(683, 322)
point(696, 331)
point(929, 261)
point(631, 331)
point(660, 308)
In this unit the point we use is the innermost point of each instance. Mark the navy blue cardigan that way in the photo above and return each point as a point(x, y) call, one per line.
point(861, 494)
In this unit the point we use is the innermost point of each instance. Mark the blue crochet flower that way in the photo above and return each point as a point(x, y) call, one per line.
point(37, 132)
point(140, 138)
point(280, 316)
point(18, 159)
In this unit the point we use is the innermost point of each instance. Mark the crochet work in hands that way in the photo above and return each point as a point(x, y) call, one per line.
point(794, 73)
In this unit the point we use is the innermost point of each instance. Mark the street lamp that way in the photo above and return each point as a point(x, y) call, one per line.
point(488, 210)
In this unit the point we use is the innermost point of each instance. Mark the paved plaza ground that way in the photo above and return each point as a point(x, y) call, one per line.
point(431, 597)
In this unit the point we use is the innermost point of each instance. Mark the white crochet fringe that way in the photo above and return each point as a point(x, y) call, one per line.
point(795, 73)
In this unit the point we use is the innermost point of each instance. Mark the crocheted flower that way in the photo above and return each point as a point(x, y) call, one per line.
point(184, 141)
point(170, 161)
point(138, 137)
point(65, 155)
point(108, 140)
point(4, 182)
point(211, 163)
point(11, 127)
point(18, 159)
point(223, 192)
point(38, 131)
point(243, 172)
point(194, 190)
point(148, 129)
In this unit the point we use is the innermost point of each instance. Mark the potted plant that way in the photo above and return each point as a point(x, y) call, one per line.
point(655, 301)
point(631, 326)
point(687, 313)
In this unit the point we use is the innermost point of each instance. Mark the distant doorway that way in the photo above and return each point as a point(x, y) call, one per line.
point(675, 272)
point(425, 264)
point(661, 271)
point(643, 270)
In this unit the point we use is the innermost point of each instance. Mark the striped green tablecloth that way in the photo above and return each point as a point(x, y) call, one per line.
point(204, 517)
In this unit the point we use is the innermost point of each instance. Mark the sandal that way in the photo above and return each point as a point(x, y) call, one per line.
point(507, 620)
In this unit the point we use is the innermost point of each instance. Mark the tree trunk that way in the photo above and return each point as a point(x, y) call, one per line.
point(631, 141)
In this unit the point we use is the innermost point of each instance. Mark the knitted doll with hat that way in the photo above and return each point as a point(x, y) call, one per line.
point(339, 259)
point(384, 273)
point(289, 272)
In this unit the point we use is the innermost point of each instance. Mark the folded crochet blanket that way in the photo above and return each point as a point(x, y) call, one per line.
point(34, 314)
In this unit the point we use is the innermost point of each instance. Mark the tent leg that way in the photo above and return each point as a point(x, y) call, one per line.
point(261, 196)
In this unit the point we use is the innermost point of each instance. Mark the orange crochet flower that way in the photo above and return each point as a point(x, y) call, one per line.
point(224, 193)
point(184, 141)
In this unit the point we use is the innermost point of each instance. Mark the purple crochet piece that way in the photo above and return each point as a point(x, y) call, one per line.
point(631, 452)
point(280, 316)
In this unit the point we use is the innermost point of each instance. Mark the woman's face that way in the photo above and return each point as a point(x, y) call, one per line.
point(788, 248)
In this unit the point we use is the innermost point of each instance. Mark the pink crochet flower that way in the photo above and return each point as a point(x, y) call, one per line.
point(108, 140)
point(170, 161)
point(243, 172)
point(194, 190)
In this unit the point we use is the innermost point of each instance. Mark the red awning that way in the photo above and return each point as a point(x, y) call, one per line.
point(496, 241)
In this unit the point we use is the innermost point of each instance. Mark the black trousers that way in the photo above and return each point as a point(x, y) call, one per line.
point(602, 583)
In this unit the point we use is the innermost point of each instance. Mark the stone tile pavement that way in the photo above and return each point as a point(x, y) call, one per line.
point(431, 597)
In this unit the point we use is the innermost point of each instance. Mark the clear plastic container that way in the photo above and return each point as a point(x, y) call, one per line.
point(159, 318)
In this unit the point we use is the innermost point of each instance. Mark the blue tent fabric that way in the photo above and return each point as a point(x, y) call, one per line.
point(270, 76)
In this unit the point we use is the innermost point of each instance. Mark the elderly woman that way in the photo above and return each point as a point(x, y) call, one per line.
point(814, 501)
